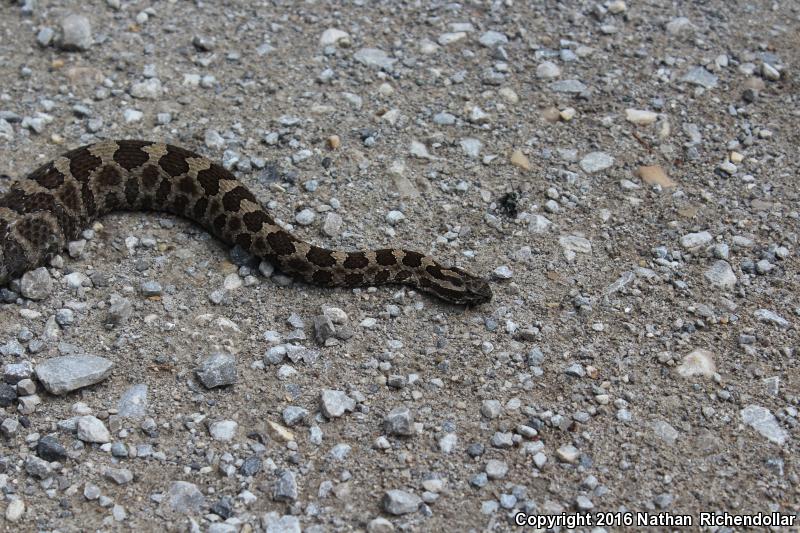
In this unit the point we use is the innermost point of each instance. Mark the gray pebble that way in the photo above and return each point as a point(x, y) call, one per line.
point(76, 33)
point(185, 497)
point(496, 469)
point(293, 415)
point(92, 429)
point(400, 502)
point(217, 370)
point(133, 403)
point(399, 421)
point(60, 375)
point(36, 284)
point(285, 488)
point(701, 77)
point(120, 476)
point(334, 403)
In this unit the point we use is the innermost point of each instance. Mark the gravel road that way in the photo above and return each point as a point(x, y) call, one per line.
point(626, 174)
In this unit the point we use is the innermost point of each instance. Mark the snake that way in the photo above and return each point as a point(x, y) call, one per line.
point(42, 213)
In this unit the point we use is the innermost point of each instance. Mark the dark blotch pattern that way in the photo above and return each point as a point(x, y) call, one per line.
point(109, 177)
point(82, 163)
point(320, 257)
point(385, 257)
point(180, 203)
point(132, 191)
point(124, 178)
point(209, 180)
point(356, 260)
point(255, 219)
point(199, 209)
point(219, 224)
point(150, 177)
point(323, 277)
point(233, 198)
point(47, 176)
point(353, 279)
point(281, 242)
point(174, 161)
point(130, 155)
point(412, 259)
point(164, 188)
point(244, 240)
point(297, 264)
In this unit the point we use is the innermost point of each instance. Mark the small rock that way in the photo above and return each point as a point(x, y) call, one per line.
point(36, 284)
point(655, 175)
point(640, 117)
point(762, 420)
point(333, 36)
point(223, 430)
point(49, 449)
point(334, 403)
point(701, 77)
point(285, 488)
point(547, 70)
point(76, 33)
point(120, 476)
point(92, 429)
point(692, 241)
point(374, 57)
point(185, 497)
point(698, 363)
point(472, 147)
point(400, 502)
point(490, 39)
point(496, 469)
point(61, 375)
point(399, 421)
point(596, 162)
point(15, 509)
point(133, 403)
point(771, 317)
point(721, 275)
point(518, 159)
point(217, 370)
point(568, 454)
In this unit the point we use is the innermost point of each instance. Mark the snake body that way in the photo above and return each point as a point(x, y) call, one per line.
point(49, 208)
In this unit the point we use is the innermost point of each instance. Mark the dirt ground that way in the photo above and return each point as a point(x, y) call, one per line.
point(624, 174)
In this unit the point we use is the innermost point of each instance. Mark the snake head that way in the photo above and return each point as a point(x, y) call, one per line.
point(477, 291)
point(455, 286)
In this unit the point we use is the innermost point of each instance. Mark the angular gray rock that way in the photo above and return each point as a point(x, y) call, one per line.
point(186, 498)
point(400, 502)
point(60, 375)
point(334, 403)
point(217, 370)
point(399, 421)
point(133, 403)
point(762, 420)
point(36, 284)
point(76, 33)
point(92, 429)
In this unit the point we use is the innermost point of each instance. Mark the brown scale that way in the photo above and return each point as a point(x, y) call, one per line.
point(58, 199)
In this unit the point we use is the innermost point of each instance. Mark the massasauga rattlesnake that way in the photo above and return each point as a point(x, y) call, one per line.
point(49, 208)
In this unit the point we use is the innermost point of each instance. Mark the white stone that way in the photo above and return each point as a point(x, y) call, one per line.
point(333, 36)
point(762, 420)
point(223, 430)
point(698, 363)
point(640, 117)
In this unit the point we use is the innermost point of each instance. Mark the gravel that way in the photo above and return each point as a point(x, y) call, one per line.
point(623, 174)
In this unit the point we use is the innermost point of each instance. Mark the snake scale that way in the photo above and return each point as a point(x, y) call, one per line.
point(40, 214)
